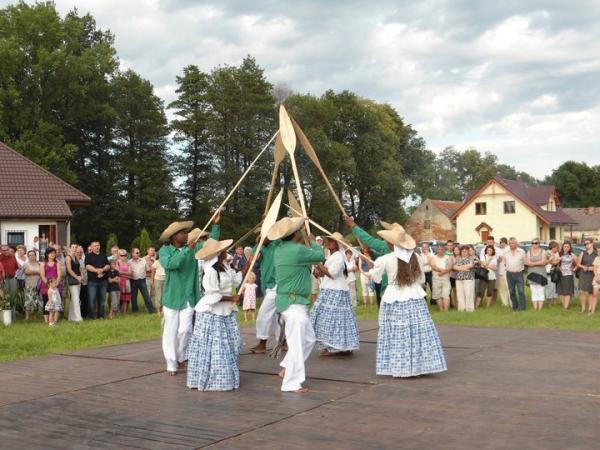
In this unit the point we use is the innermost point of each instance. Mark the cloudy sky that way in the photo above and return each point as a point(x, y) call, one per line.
point(518, 78)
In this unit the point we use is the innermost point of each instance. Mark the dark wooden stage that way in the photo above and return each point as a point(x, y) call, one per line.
point(505, 388)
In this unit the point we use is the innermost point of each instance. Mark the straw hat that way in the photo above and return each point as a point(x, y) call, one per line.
point(196, 234)
point(285, 227)
point(338, 237)
point(398, 236)
point(388, 226)
point(213, 248)
point(174, 228)
point(122, 252)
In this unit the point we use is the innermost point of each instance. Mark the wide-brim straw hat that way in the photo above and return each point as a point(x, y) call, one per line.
point(174, 228)
point(388, 226)
point(337, 236)
point(285, 227)
point(196, 234)
point(213, 248)
point(398, 236)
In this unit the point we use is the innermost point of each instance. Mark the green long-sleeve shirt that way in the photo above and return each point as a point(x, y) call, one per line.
point(292, 272)
point(267, 266)
point(378, 246)
point(181, 273)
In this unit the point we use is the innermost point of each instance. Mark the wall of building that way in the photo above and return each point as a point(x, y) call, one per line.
point(523, 224)
point(427, 223)
point(29, 228)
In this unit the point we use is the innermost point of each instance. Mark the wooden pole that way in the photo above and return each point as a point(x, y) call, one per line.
point(239, 181)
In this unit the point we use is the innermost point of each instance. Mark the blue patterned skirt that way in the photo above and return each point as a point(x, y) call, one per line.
point(333, 320)
point(408, 343)
point(213, 353)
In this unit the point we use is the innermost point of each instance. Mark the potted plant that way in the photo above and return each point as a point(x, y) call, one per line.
point(8, 301)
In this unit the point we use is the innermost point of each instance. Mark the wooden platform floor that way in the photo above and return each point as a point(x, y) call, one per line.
point(505, 388)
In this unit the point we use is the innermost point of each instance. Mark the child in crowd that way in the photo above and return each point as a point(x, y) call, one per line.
point(114, 292)
point(249, 304)
point(54, 305)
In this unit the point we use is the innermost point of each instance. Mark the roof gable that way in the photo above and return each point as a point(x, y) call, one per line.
point(29, 190)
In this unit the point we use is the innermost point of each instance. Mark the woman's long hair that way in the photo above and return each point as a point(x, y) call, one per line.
point(408, 273)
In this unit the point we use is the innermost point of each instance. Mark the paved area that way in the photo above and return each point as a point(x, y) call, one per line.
point(505, 388)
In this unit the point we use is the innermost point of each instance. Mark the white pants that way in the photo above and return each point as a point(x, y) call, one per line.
point(267, 316)
point(537, 292)
point(300, 338)
point(465, 295)
point(502, 289)
point(364, 284)
point(75, 307)
point(176, 334)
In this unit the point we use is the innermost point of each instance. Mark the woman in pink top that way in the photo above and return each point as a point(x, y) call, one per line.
point(49, 269)
point(124, 275)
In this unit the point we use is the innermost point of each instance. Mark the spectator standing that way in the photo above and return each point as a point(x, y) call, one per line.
point(158, 284)
point(138, 281)
point(465, 280)
point(9, 262)
point(97, 267)
point(501, 280)
point(83, 297)
point(585, 263)
point(366, 285)
point(351, 270)
point(21, 258)
point(566, 283)
point(43, 242)
point(50, 269)
point(440, 280)
point(536, 273)
point(74, 279)
point(124, 269)
point(31, 269)
point(490, 262)
point(249, 304)
point(514, 259)
point(453, 274)
point(239, 260)
point(114, 291)
point(553, 259)
point(114, 253)
point(150, 259)
point(426, 257)
point(596, 284)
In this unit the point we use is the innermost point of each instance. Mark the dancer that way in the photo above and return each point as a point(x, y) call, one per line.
point(378, 246)
point(332, 316)
point(267, 314)
point(181, 289)
point(408, 344)
point(292, 274)
point(216, 341)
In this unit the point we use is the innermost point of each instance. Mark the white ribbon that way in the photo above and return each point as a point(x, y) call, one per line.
point(402, 253)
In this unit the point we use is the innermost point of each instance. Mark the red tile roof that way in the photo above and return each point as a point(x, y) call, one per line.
point(447, 208)
point(28, 190)
point(532, 196)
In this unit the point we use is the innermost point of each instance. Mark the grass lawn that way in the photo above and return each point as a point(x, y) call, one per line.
point(25, 339)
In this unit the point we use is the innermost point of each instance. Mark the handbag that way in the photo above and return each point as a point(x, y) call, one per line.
point(481, 273)
point(555, 275)
point(537, 278)
point(72, 281)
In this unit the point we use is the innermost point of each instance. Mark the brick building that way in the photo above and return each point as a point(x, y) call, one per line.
point(431, 221)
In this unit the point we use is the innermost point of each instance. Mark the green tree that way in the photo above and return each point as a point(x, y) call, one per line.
point(111, 241)
point(146, 194)
point(145, 241)
point(577, 184)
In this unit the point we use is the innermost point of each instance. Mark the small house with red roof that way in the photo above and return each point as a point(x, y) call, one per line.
point(431, 221)
point(511, 208)
point(34, 202)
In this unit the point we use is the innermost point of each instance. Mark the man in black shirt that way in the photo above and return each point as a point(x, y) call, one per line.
point(97, 267)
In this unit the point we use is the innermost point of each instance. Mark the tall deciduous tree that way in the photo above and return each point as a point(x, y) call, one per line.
point(577, 184)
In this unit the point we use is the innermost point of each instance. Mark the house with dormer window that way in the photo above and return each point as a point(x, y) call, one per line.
point(511, 208)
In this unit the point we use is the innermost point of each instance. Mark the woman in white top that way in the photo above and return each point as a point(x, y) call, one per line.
point(408, 344)
point(352, 269)
point(332, 316)
point(490, 262)
point(216, 342)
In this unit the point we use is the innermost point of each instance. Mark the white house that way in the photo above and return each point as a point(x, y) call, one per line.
point(34, 202)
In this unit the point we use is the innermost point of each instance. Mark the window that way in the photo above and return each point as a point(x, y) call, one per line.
point(15, 238)
point(481, 208)
point(427, 225)
point(509, 207)
point(552, 233)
